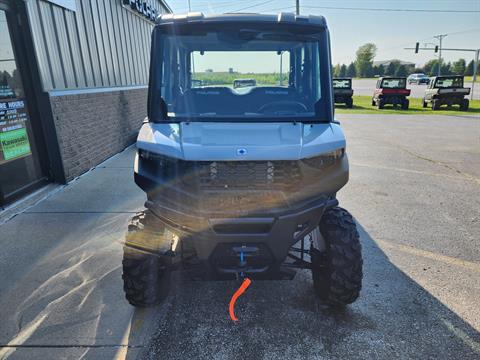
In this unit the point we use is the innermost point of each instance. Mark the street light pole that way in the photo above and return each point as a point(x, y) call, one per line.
point(298, 7)
point(440, 38)
point(475, 66)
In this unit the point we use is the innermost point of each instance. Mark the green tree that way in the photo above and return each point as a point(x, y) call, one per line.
point(364, 60)
point(431, 67)
point(351, 70)
point(343, 71)
point(336, 71)
point(469, 69)
point(380, 70)
point(391, 68)
point(459, 67)
point(446, 69)
point(401, 71)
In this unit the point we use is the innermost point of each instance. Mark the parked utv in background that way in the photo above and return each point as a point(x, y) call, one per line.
point(391, 90)
point(343, 92)
point(240, 83)
point(241, 183)
point(446, 90)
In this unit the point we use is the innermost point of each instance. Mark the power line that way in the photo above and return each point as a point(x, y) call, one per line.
point(392, 10)
point(252, 6)
point(428, 38)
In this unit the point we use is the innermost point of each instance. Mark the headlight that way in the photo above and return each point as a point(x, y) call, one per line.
point(158, 165)
point(324, 160)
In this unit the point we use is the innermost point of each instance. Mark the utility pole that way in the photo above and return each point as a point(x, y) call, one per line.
point(440, 38)
point(475, 67)
point(475, 61)
point(298, 7)
point(189, 6)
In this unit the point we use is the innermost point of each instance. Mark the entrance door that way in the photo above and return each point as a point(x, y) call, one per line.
point(20, 166)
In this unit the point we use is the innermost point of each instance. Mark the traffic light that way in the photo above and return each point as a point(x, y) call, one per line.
point(436, 48)
point(416, 47)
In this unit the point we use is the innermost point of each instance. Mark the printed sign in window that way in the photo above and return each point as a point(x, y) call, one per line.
point(14, 142)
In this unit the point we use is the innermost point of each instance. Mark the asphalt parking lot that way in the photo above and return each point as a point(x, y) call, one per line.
point(366, 87)
point(414, 190)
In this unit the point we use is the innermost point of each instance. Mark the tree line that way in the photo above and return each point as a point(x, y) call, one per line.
point(363, 66)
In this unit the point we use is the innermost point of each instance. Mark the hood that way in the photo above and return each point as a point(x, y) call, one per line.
point(204, 141)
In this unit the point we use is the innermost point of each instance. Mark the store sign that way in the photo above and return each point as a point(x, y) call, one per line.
point(14, 141)
point(145, 8)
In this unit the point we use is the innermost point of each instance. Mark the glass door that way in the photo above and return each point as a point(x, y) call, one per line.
point(20, 167)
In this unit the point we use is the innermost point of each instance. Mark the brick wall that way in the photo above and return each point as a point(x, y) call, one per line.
point(92, 127)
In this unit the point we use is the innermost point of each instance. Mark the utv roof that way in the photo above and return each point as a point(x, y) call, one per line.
point(392, 77)
point(447, 76)
point(284, 18)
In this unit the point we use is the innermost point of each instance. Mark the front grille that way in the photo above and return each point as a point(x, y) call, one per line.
point(253, 175)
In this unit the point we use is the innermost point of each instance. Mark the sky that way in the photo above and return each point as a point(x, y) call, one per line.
point(390, 31)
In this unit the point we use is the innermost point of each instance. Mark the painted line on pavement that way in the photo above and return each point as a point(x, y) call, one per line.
point(430, 255)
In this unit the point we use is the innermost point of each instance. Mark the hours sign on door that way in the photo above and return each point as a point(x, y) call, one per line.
point(14, 141)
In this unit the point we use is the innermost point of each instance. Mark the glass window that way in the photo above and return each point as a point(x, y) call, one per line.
point(239, 73)
point(342, 83)
point(398, 83)
point(453, 82)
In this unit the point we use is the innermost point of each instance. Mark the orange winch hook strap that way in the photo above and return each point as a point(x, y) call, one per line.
point(246, 283)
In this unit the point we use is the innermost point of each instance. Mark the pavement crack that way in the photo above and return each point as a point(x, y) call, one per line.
point(440, 163)
point(433, 161)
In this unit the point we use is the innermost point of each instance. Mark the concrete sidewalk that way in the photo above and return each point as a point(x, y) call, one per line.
point(60, 271)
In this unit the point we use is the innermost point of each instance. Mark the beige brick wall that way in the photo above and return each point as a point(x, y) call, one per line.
point(92, 127)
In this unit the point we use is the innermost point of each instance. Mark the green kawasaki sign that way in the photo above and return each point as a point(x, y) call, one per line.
point(15, 144)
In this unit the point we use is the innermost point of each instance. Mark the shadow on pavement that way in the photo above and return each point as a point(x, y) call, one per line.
point(394, 318)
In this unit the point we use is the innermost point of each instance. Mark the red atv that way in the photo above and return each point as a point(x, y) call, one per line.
point(391, 90)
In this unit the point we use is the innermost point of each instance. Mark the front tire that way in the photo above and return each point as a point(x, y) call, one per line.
point(146, 276)
point(337, 271)
point(464, 105)
point(380, 103)
point(349, 103)
point(435, 104)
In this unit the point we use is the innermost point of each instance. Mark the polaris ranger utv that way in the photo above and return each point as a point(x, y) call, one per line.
point(446, 90)
point(391, 90)
point(343, 92)
point(241, 184)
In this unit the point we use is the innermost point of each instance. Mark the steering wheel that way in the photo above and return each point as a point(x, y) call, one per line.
point(282, 106)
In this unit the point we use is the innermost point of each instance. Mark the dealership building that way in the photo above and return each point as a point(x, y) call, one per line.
point(73, 86)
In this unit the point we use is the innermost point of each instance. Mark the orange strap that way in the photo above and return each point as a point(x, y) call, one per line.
point(246, 283)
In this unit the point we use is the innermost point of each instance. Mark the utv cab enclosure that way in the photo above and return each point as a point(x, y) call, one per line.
point(241, 183)
point(343, 92)
point(391, 90)
point(446, 90)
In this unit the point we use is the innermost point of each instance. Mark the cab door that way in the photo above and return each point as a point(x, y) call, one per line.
point(21, 167)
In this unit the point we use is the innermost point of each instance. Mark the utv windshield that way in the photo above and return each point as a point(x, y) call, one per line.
point(453, 82)
point(342, 83)
point(236, 72)
point(394, 83)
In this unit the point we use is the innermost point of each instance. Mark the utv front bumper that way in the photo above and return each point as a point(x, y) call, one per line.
point(242, 217)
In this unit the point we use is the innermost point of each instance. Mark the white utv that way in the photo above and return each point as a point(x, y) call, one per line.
point(241, 182)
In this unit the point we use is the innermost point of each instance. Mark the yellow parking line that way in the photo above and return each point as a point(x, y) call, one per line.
point(430, 255)
point(420, 172)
